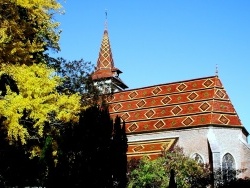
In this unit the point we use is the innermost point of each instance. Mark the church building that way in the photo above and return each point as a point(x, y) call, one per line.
point(195, 114)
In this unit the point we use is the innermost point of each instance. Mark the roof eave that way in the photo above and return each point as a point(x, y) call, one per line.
point(192, 127)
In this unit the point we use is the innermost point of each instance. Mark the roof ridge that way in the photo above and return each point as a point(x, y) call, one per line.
point(168, 83)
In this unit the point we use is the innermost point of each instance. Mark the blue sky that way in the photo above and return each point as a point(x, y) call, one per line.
point(161, 41)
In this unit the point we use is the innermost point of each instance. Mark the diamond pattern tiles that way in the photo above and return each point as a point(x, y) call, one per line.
point(181, 87)
point(187, 121)
point(166, 100)
point(226, 119)
point(105, 59)
point(126, 102)
point(181, 121)
point(141, 111)
point(125, 116)
point(141, 103)
point(150, 148)
point(133, 94)
point(176, 105)
point(133, 127)
point(192, 96)
point(159, 124)
point(156, 90)
point(176, 110)
point(208, 83)
point(159, 100)
point(223, 119)
point(149, 113)
point(138, 148)
point(220, 93)
point(193, 88)
point(117, 107)
point(204, 106)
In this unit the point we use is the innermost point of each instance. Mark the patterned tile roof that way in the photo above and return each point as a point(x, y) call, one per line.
point(105, 68)
point(105, 62)
point(184, 104)
point(152, 148)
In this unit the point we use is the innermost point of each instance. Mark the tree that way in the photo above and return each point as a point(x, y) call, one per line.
point(119, 148)
point(147, 173)
point(42, 107)
point(188, 172)
point(16, 168)
point(228, 178)
point(32, 111)
point(86, 152)
point(76, 78)
point(156, 173)
point(75, 74)
point(243, 183)
point(27, 30)
point(38, 110)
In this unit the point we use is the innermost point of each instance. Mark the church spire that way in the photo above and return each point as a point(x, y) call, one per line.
point(105, 69)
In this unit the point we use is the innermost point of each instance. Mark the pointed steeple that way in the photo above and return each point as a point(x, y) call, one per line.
point(105, 69)
point(105, 59)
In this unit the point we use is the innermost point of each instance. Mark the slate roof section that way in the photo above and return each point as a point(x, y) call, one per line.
point(177, 105)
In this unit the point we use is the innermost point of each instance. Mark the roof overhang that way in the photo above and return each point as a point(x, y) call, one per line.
point(150, 148)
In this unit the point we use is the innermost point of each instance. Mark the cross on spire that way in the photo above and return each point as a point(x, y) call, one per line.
point(106, 19)
point(216, 70)
point(106, 14)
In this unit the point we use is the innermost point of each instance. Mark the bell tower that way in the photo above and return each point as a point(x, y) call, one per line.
point(106, 75)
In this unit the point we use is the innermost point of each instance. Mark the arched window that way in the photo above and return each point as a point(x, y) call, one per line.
point(198, 158)
point(228, 167)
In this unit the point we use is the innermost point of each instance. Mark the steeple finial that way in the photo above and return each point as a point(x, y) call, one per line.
point(106, 19)
point(216, 70)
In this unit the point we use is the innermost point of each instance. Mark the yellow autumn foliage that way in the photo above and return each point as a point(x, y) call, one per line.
point(27, 30)
point(38, 97)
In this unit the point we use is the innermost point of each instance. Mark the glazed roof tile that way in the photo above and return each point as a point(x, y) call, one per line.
point(184, 104)
point(105, 68)
point(151, 149)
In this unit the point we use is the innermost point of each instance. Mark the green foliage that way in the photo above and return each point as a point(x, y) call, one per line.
point(188, 172)
point(75, 74)
point(148, 173)
point(76, 78)
point(156, 173)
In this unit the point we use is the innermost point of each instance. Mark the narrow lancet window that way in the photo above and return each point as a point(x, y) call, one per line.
point(228, 167)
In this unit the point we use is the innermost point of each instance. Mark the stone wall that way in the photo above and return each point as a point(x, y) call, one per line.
point(221, 140)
